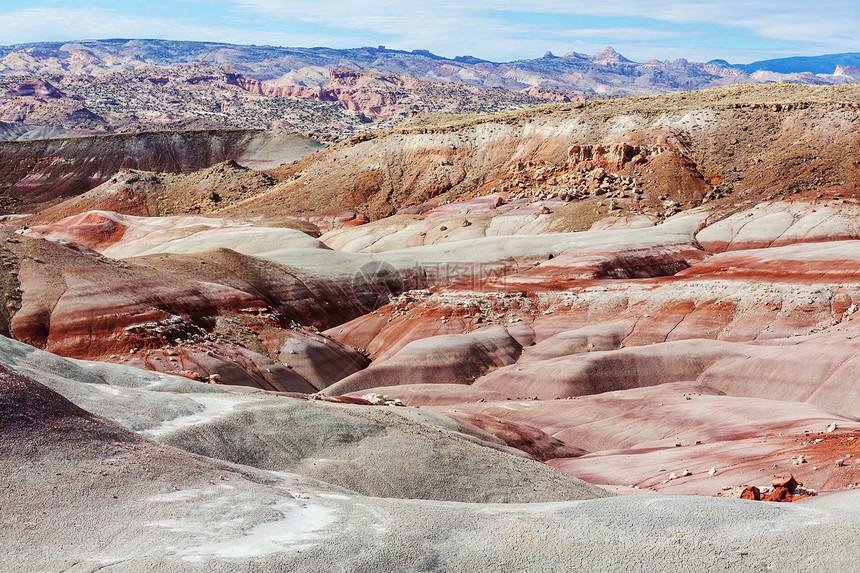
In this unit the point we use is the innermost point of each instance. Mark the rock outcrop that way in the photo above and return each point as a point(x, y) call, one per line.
point(39, 172)
point(665, 156)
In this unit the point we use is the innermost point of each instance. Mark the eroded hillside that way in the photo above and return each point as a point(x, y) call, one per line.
point(40, 172)
point(657, 295)
point(633, 155)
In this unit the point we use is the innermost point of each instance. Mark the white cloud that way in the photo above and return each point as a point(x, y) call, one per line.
point(45, 24)
point(629, 33)
point(822, 26)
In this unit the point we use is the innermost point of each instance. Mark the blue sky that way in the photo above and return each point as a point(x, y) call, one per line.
point(499, 30)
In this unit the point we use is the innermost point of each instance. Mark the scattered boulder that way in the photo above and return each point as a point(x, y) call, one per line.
point(779, 494)
point(751, 493)
point(788, 482)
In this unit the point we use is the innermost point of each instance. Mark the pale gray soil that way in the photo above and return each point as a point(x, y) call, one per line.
point(374, 450)
point(380, 451)
point(173, 512)
point(80, 493)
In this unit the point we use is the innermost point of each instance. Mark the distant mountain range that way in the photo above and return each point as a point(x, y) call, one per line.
point(110, 86)
point(826, 64)
point(606, 73)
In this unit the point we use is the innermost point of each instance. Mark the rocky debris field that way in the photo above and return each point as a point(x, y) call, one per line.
point(347, 360)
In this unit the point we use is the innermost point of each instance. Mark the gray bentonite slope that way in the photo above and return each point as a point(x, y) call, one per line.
point(382, 451)
point(81, 493)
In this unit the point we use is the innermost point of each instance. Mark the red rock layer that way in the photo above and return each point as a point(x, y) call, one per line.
point(374, 94)
point(440, 359)
point(534, 442)
point(224, 314)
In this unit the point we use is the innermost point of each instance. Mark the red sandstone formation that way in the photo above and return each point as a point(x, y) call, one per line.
point(223, 315)
point(439, 359)
point(375, 95)
point(752, 493)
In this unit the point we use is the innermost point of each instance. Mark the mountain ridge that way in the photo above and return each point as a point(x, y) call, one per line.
point(119, 85)
point(269, 62)
point(788, 64)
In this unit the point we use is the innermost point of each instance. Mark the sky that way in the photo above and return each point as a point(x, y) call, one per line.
point(740, 31)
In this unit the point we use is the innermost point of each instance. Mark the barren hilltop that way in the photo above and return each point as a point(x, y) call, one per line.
point(606, 334)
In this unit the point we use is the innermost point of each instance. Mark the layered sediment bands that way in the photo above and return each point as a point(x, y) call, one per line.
point(453, 359)
point(641, 436)
point(593, 373)
point(605, 336)
point(762, 334)
point(688, 150)
point(123, 236)
point(534, 442)
point(774, 371)
point(222, 363)
point(320, 360)
point(41, 171)
point(833, 262)
point(657, 417)
point(613, 314)
point(713, 376)
point(632, 263)
point(222, 313)
point(806, 219)
point(740, 461)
